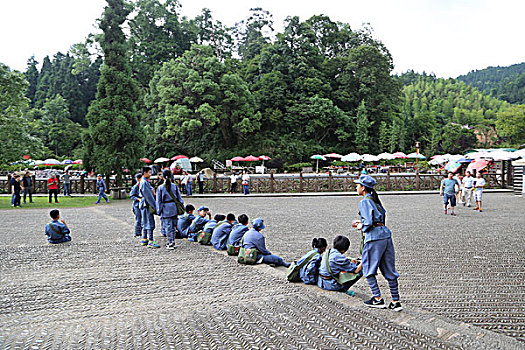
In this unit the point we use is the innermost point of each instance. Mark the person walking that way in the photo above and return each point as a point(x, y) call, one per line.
point(245, 183)
point(447, 190)
point(67, 183)
point(188, 181)
point(52, 185)
point(479, 183)
point(200, 181)
point(101, 186)
point(27, 185)
point(468, 185)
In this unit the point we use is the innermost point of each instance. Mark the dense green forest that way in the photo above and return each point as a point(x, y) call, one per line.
point(505, 83)
point(194, 86)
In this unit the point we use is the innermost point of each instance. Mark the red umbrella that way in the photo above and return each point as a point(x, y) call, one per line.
point(250, 159)
point(478, 165)
point(146, 160)
point(264, 158)
point(180, 156)
point(237, 159)
point(78, 161)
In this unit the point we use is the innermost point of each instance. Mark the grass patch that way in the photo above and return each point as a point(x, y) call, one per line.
point(43, 202)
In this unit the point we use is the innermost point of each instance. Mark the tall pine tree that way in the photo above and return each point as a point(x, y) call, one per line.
point(362, 138)
point(113, 140)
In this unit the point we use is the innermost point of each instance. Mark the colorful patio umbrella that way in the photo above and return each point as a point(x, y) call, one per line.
point(416, 155)
point(317, 158)
point(369, 158)
point(333, 155)
point(237, 159)
point(196, 160)
point(162, 160)
point(351, 157)
point(67, 161)
point(385, 156)
point(501, 155)
point(263, 158)
point(478, 165)
point(400, 155)
point(51, 161)
point(251, 159)
point(452, 166)
point(180, 156)
point(146, 160)
point(78, 161)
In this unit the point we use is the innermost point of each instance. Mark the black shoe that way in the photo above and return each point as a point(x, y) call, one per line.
point(378, 304)
point(395, 306)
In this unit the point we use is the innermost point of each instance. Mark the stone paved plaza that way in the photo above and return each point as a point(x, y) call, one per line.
point(462, 281)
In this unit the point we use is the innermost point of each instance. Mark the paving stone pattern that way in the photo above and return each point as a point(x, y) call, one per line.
point(105, 291)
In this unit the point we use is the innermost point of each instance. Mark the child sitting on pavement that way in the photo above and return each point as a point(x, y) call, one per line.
point(184, 221)
point(255, 239)
point(236, 234)
point(198, 223)
point(221, 232)
point(57, 230)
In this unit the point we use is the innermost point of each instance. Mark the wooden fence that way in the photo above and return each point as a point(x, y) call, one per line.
point(280, 183)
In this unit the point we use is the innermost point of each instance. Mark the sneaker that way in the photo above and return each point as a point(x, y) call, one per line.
point(476, 208)
point(170, 246)
point(453, 214)
point(480, 210)
point(153, 244)
point(464, 204)
point(144, 241)
point(445, 212)
point(378, 304)
point(395, 306)
point(350, 292)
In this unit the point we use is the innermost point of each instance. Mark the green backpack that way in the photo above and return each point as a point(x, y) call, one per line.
point(204, 238)
point(247, 256)
point(180, 207)
point(345, 278)
point(293, 272)
point(233, 250)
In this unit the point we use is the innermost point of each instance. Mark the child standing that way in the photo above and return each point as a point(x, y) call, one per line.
point(148, 207)
point(219, 238)
point(135, 197)
point(310, 272)
point(185, 221)
point(245, 182)
point(378, 249)
point(167, 196)
point(255, 239)
point(198, 223)
point(479, 184)
point(57, 230)
point(101, 186)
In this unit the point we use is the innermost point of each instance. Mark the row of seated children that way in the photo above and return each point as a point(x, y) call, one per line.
point(315, 270)
point(226, 233)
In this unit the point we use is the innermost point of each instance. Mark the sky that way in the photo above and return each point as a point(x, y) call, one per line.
point(444, 37)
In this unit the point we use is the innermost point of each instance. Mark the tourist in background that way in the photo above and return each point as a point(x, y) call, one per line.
point(245, 182)
point(15, 190)
point(67, 183)
point(233, 183)
point(200, 181)
point(27, 185)
point(52, 185)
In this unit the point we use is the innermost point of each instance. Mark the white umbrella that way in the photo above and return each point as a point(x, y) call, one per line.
point(416, 155)
point(39, 162)
point(51, 161)
point(196, 160)
point(333, 155)
point(162, 160)
point(369, 158)
point(317, 157)
point(386, 156)
point(501, 155)
point(351, 157)
point(520, 152)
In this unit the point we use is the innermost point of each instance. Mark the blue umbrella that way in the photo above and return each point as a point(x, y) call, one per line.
point(452, 166)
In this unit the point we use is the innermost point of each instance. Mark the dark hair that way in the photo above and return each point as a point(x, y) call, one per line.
point(138, 176)
point(54, 214)
point(341, 243)
point(243, 219)
point(319, 243)
point(230, 217)
point(166, 174)
point(146, 169)
point(189, 208)
point(375, 196)
point(219, 217)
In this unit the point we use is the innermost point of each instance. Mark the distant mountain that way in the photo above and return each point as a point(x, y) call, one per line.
point(504, 83)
